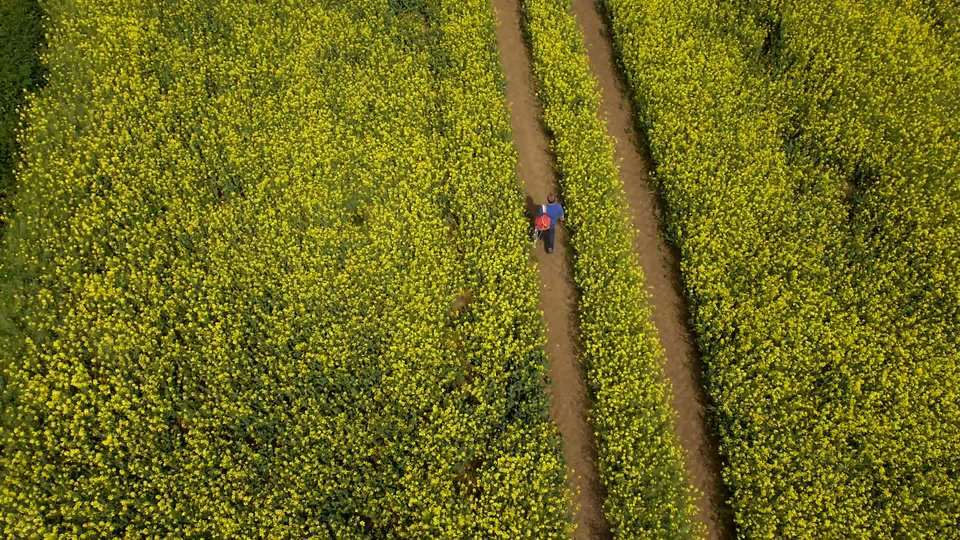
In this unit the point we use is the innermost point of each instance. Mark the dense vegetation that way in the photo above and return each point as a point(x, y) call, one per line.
point(19, 70)
point(871, 92)
point(267, 272)
point(270, 278)
point(944, 17)
point(640, 461)
point(807, 155)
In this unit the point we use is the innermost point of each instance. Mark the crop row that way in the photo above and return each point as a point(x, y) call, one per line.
point(828, 354)
point(640, 460)
point(269, 279)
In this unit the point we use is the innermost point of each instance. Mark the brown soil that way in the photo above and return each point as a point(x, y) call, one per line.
point(660, 264)
point(569, 402)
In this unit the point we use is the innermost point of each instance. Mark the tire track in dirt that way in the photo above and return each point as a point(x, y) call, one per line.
point(569, 402)
point(661, 267)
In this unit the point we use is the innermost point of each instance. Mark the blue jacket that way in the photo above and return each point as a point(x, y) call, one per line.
point(555, 211)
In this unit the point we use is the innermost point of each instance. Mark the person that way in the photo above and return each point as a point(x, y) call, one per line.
point(555, 211)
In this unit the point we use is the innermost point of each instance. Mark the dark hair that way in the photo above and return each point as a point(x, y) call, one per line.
point(551, 198)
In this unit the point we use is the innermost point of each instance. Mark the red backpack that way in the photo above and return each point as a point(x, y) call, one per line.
point(543, 221)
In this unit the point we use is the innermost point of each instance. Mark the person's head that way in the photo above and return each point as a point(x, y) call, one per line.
point(551, 198)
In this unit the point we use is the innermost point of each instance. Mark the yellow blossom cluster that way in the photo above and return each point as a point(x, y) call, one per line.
point(268, 277)
point(640, 460)
point(807, 155)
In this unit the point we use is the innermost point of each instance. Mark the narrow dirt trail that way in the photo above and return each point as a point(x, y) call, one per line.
point(661, 266)
point(558, 298)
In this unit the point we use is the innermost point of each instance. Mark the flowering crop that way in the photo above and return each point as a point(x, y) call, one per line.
point(640, 460)
point(20, 31)
point(871, 90)
point(944, 17)
point(269, 279)
point(827, 316)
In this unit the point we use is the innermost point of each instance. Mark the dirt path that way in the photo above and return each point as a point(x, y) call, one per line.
point(661, 266)
point(558, 299)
